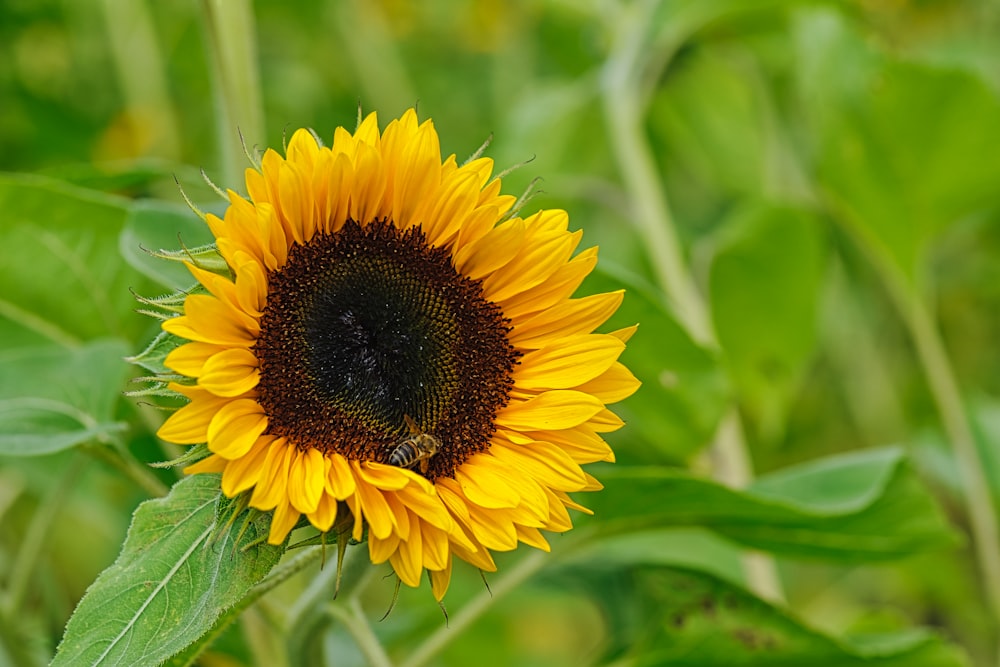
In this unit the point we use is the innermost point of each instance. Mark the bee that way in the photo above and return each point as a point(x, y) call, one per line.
point(418, 447)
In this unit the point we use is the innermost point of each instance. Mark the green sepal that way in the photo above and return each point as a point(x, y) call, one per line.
point(156, 352)
point(155, 387)
point(193, 454)
point(205, 257)
point(166, 305)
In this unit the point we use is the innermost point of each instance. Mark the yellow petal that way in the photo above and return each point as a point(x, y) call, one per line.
point(567, 363)
point(339, 479)
point(376, 509)
point(558, 287)
point(482, 487)
point(554, 410)
point(189, 359)
point(230, 373)
point(189, 425)
point(379, 550)
point(440, 581)
point(271, 488)
point(407, 561)
point(571, 317)
point(532, 537)
point(305, 480)
point(211, 463)
point(242, 473)
point(615, 384)
point(284, 519)
point(235, 427)
point(386, 477)
point(208, 320)
point(435, 543)
point(544, 461)
point(495, 249)
point(325, 514)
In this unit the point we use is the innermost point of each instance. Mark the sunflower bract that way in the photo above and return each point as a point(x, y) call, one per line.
point(375, 286)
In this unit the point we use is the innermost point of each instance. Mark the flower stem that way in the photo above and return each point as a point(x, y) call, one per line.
point(118, 456)
point(978, 499)
point(303, 622)
point(353, 617)
point(232, 34)
point(624, 109)
point(139, 65)
point(476, 607)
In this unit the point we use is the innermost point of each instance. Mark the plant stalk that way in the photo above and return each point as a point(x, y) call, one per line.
point(625, 109)
point(118, 456)
point(978, 499)
point(232, 34)
point(476, 607)
point(353, 617)
point(138, 62)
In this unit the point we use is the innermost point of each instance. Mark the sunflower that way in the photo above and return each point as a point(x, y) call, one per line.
point(393, 350)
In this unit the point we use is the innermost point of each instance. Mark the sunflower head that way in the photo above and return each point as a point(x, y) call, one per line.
point(388, 341)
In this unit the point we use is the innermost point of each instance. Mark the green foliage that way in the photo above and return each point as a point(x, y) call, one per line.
point(764, 288)
point(703, 620)
point(865, 506)
point(54, 398)
point(900, 176)
point(830, 172)
point(179, 574)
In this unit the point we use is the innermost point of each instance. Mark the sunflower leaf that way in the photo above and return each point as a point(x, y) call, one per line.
point(53, 398)
point(856, 507)
point(897, 178)
point(765, 283)
point(64, 282)
point(174, 579)
point(663, 615)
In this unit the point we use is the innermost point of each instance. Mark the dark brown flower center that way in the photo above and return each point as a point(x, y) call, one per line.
point(371, 325)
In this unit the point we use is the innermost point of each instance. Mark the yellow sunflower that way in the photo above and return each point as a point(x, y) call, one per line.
point(388, 347)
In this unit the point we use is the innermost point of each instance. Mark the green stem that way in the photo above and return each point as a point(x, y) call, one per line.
point(232, 34)
point(119, 457)
point(284, 572)
point(29, 555)
point(363, 29)
point(978, 499)
point(303, 623)
point(476, 607)
point(353, 617)
point(141, 73)
point(625, 110)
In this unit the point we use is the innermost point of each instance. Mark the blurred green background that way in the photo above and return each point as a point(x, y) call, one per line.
point(830, 171)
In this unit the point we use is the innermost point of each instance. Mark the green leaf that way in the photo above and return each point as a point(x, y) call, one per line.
point(154, 226)
point(171, 583)
point(906, 149)
point(682, 617)
point(764, 286)
point(863, 506)
point(710, 118)
point(53, 398)
point(63, 278)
